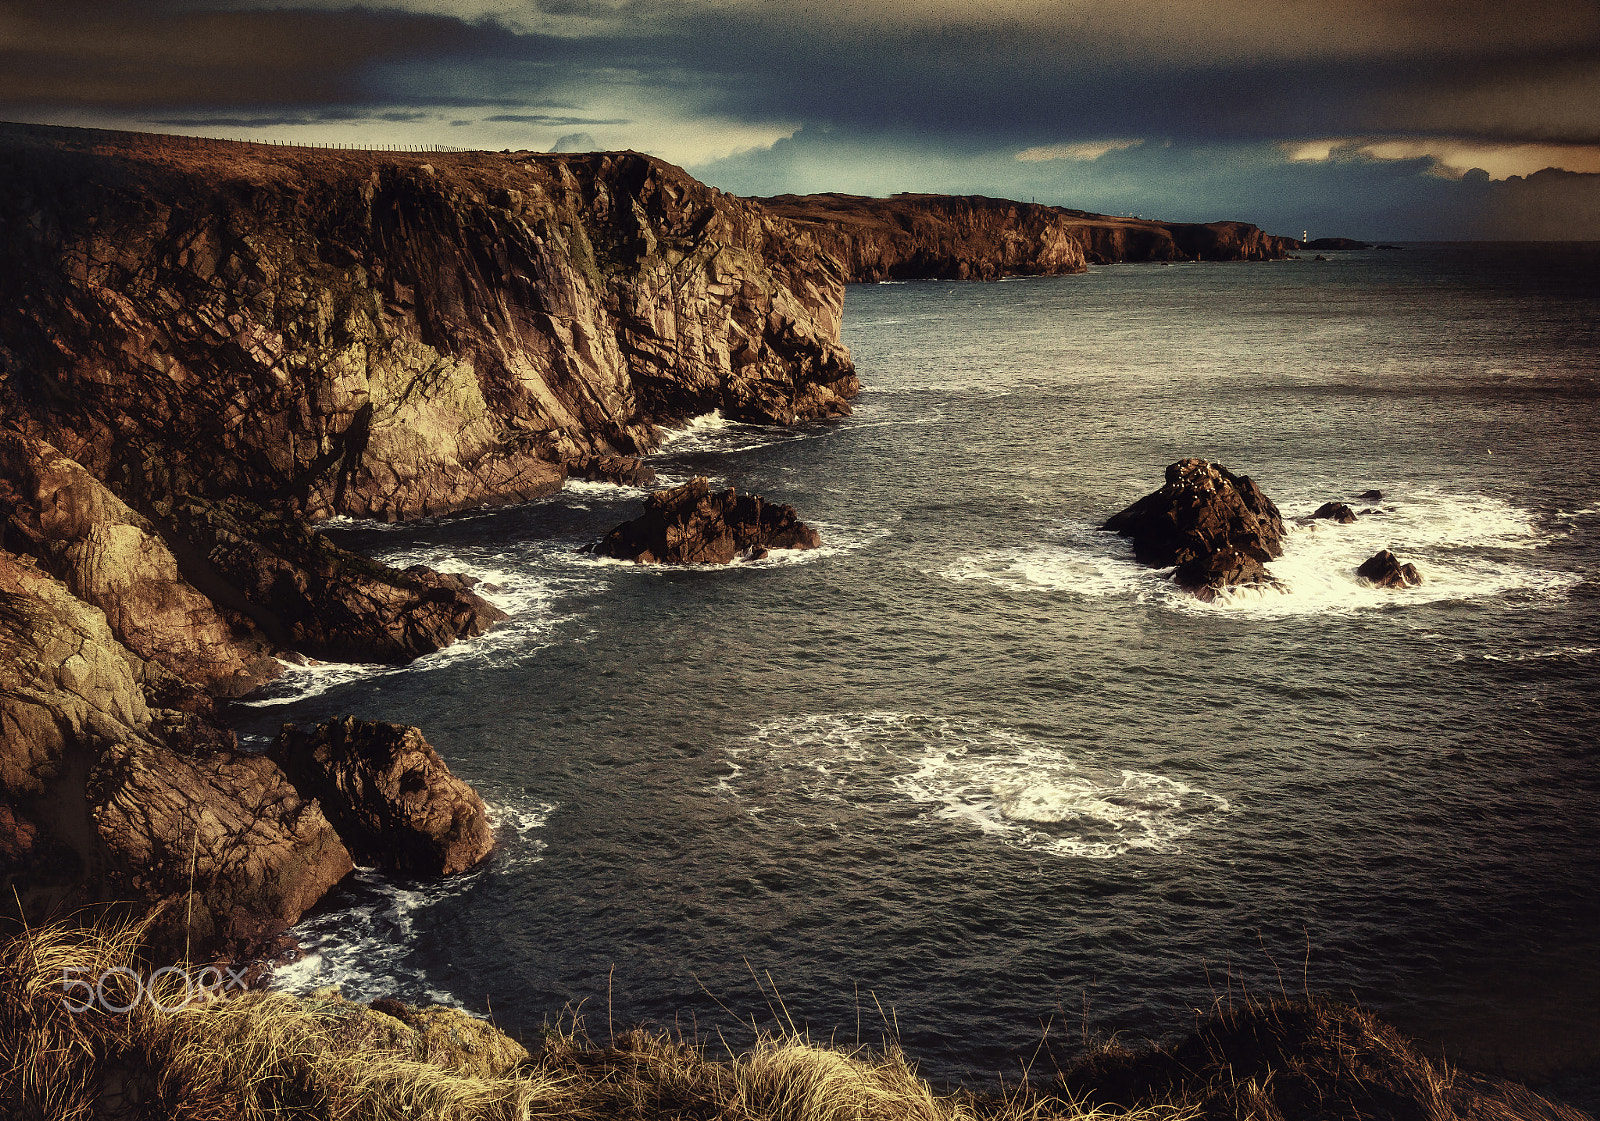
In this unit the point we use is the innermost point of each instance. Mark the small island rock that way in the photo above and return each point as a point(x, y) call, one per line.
point(1384, 570)
point(1219, 529)
point(692, 525)
point(1335, 511)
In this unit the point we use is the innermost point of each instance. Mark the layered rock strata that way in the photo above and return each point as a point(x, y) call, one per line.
point(1216, 528)
point(692, 524)
point(387, 335)
point(973, 237)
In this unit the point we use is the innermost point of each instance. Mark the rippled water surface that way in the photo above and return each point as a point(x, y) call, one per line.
point(971, 764)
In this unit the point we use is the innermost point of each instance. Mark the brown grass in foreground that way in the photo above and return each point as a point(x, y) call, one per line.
point(266, 1055)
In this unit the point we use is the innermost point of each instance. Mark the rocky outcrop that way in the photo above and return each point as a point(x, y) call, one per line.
point(234, 849)
point(1334, 512)
point(972, 237)
point(106, 797)
point(383, 334)
point(1384, 570)
point(623, 470)
point(1339, 244)
point(307, 594)
point(389, 795)
point(936, 236)
point(1218, 529)
point(1370, 496)
point(115, 559)
point(692, 525)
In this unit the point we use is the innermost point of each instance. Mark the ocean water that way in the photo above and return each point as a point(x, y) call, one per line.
point(968, 770)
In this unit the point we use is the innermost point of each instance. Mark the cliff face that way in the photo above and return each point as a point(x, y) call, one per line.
point(386, 335)
point(205, 346)
point(909, 237)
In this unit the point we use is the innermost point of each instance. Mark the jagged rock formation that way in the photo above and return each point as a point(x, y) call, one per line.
point(389, 795)
point(1384, 570)
point(972, 237)
point(692, 525)
point(385, 335)
point(204, 346)
point(1219, 529)
point(1335, 512)
point(109, 798)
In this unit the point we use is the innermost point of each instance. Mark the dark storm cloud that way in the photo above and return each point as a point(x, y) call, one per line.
point(563, 122)
point(131, 55)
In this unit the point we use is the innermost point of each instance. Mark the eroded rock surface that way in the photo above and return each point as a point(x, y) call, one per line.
point(390, 796)
point(691, 524)
point(386, 335)
point(1217, 528)
point(1384, 570)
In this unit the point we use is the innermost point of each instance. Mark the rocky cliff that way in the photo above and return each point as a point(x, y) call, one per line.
point(383, 334)
point(908, 237)
point(204, 348)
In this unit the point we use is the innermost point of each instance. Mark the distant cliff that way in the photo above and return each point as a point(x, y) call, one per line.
point(973, 237)
point(383, 334)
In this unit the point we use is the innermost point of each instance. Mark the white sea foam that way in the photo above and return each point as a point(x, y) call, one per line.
point(1017, 790)
point(1466, 546)
point(364, 947)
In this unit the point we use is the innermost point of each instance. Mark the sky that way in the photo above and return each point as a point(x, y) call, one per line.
point(1377, 119)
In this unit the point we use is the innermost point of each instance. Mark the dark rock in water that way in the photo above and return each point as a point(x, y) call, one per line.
point(1385, 571)
point(1336, 243)
point(388, 794)
point(1217, 528)
point(1393, 248)
point(624, 470)
point(1335, 511)
point(1319, 257)
point(692, 525)
point(1370, 496)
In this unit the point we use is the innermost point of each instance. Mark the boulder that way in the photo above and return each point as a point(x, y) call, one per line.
point(692, 525)
point(1370, 496)
point(1335, 511)
point(389, 795)
point(1218, 529)
point(1384, 570)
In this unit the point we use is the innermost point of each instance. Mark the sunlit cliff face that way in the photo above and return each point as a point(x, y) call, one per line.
point(1228, 109)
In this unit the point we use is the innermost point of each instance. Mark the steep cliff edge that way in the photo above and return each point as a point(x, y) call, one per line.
point(971, 237)
point(206, 346)
point(387, 334)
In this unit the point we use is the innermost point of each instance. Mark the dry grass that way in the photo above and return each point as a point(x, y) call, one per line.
point(269, 1055)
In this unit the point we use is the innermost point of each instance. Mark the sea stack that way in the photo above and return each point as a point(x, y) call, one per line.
point(1218, 528)
point(692, 525)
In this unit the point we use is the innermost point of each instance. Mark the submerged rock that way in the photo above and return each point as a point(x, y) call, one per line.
point(1384, 570)
point(1219, 529)
point(692, 525)
point(1335, 511)
point(391, 798)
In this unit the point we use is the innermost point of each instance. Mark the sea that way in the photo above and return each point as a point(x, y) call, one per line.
point(969, 777)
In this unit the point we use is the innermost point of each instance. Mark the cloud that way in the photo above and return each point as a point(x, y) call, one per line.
point(559, 122)
point(1088, 150)
point(1454, 156)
